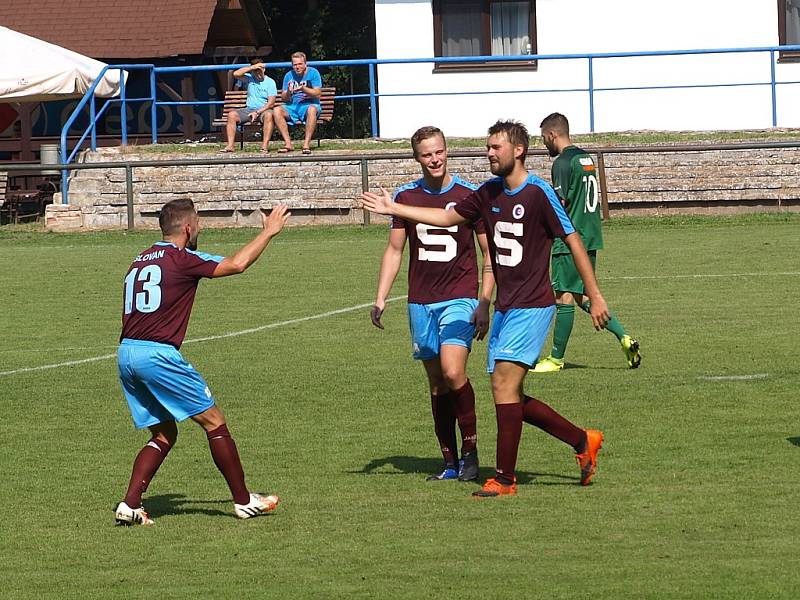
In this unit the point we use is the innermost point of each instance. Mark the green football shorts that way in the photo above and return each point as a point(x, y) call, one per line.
point(565, 276)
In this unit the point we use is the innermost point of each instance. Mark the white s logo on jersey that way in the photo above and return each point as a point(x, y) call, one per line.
point(514, 257)
point(436, 239)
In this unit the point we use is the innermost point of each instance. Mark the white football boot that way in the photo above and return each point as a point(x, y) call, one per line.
point(258, 505)
point(125, 515)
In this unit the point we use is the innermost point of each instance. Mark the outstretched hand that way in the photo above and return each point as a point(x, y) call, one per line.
point(375, 315)
point(274, 222)
point(377, 203)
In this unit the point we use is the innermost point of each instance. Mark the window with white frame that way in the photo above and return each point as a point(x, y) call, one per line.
point(484, 28)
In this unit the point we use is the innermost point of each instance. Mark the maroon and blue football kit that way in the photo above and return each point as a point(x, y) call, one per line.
point(521, 225)
point(158, 295)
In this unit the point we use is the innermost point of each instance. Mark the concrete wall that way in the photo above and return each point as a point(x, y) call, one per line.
point(404, 29)
point(322, 193)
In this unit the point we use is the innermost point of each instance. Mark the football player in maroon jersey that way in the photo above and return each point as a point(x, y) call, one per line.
point(444, 312)
point(521, 215)
point(160, 386)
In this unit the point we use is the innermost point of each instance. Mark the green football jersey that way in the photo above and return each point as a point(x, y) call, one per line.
point(575, 181)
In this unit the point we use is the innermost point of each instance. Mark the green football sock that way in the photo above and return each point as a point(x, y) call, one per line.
point(613, 325)
point(565, 317)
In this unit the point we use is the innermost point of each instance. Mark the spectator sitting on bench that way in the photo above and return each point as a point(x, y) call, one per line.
point(261, 94)
point(301, 91)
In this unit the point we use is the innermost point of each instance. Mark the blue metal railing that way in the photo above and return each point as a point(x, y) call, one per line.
point(373, 93)
point(94, 116)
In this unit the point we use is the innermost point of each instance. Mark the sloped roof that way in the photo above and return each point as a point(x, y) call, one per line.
point(113, 29)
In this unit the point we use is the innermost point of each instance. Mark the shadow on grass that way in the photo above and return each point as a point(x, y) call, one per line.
point(177, 504)
point(569, 365)
point(411, 465)
point(795, 441)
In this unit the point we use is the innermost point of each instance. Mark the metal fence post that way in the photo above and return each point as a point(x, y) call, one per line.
point(64, 173)
point(93, 122)
point(129, 193)
point(591, 96)
point(153, 108)
point(774, 88)
point(365, 187)
point(373, 104)
point(123, 111)
point(601, 173)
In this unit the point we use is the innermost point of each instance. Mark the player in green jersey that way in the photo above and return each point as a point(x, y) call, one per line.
point(575, 181)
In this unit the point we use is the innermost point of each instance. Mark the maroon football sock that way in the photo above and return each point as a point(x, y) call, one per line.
point(444, 423)
point(509, 430)
point(226, 457)
point(144, 469)
point(536, 412)
point(464, 401)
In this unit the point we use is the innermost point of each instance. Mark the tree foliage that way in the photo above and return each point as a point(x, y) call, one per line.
point(330, 30)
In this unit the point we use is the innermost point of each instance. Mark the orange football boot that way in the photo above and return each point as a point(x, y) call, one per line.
point(587, 460)
point(493, 488)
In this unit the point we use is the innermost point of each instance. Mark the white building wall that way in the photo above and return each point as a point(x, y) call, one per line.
point(404, 29)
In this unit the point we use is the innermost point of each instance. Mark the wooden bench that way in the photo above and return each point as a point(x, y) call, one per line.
point(236, 99)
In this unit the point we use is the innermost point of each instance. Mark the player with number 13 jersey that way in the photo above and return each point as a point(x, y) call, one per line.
point(159, 292)
point(160, 386)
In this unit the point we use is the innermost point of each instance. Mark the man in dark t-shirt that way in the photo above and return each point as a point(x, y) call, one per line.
point(159, 385)
point(521, 215)
point(444, 313)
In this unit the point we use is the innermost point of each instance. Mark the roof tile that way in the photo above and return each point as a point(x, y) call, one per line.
point(135, 29)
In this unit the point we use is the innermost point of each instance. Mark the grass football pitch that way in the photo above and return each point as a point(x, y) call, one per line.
point(696, 493)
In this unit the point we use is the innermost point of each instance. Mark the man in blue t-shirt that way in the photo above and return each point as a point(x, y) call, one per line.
point(261, 94)
point(302, 88)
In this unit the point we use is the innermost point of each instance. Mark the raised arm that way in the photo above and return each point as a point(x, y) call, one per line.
point(382, 204)
point(390, 266)
point(285, 93)
point(599, 308)
point(249, 253)
point(240, 73)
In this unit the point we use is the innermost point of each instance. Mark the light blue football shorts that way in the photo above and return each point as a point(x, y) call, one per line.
point(440, 323)
point(159, 384)
point(297, 112)
point(518, 335)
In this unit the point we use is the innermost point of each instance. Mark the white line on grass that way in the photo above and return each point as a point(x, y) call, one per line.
point(49, 350)
point(734, 377)
point(620, 278)
point(82, 361)
point(360, 306)
point(701, 276)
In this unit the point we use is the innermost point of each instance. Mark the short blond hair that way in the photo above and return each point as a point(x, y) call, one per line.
point(423, 133)
point(300, 55)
